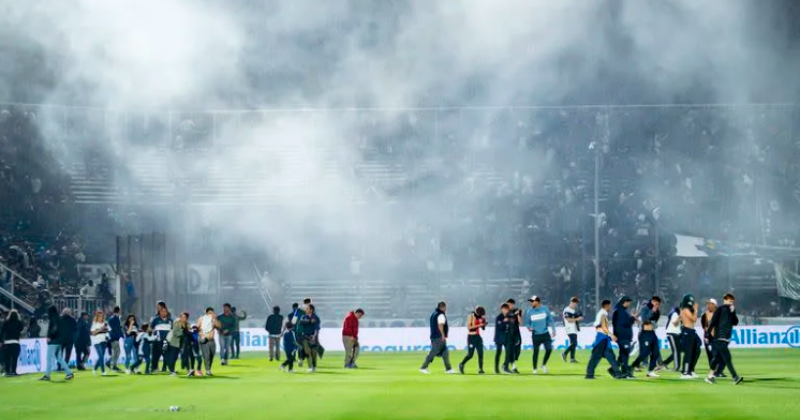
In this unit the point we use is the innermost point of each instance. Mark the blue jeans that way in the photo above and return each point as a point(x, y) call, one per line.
point(130, 352)
point(226, 347)
point(56, 356)
point(100, 349)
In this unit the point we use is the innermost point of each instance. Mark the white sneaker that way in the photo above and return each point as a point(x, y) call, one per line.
point(425, 371)
point(127, 371)
point(687, 377)
point(535, 371)
point(653, 375)
point(544, 369)
point(103, 374)
point(695, 376)
point(450, 372)
point(310, 370)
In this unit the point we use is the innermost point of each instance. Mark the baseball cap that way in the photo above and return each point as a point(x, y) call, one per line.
point(712, 300)
point(535, 298)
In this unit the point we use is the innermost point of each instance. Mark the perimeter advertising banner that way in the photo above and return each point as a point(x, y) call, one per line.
point(33, 355)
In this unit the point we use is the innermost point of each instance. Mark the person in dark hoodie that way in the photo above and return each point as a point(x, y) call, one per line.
point(83, 341)
point(500, 333)
point(622, 322)
point(69, 326)
point(720, 330)
point(289, 348)
point(54, 356)
point(274, 327)
point(10, 334)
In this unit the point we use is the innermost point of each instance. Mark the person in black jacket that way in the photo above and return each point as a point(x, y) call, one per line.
point(55, 357)
point(274, 327)
point(10, 334)
point(66, 332)
point(83, 340)
point(623, 322)
point(720, 329)
point(500, 332)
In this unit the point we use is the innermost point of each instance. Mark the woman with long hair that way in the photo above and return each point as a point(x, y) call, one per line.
point(99, 333)
point(10, 334)
point(130, 330)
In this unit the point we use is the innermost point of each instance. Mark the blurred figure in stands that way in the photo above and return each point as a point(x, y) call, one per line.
point(34, 330)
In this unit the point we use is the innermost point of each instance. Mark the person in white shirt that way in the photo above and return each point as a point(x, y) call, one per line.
point(89, 290)
point(207, 326)
point(674, 338)
point(99, 332)
point(572, 319)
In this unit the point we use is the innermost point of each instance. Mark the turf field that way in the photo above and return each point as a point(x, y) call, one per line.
point(388, 386)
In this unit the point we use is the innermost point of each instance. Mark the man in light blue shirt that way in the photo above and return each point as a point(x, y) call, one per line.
point(540, 324)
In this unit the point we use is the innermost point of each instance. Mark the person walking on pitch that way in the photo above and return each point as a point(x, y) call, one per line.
point(708, 341)
point(623, 322)
point(720, 330)
point(514, 337)
point(572, 319)
point(476, 322)
point(690, 341)
point(542, 329)
point(439, 330)
point(500, 334)
point(674, 339)
point(648, 341)
point(602, 344)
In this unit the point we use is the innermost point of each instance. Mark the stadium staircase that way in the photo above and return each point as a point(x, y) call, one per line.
point(19, 293)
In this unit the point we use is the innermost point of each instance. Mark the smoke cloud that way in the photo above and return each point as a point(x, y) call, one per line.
point(340, 82)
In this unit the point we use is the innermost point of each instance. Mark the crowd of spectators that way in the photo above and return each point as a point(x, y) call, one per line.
point(520, 190)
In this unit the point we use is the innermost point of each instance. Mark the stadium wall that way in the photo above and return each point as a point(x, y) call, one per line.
point(33, 356)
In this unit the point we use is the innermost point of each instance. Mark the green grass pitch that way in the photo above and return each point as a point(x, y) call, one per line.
point(389, 386)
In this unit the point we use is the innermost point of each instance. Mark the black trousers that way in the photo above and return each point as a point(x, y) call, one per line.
point(538, 341)
point(173, 353)
point(289, 362)
point(498, 354)
point(648, 348)
point(10, 356)
point(517, 346)
point(690, 342)
point(712, 360)
point(237, 341)
point(624, 355)
point(602, 351)
point(511, 352)
point(157, 353)
point(474, 343)
point(66, 350)
point(573, 344)
point(722, 355)
point(675, 346)
point(82, 352)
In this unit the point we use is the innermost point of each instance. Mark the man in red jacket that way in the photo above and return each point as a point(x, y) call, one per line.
point(350, 338)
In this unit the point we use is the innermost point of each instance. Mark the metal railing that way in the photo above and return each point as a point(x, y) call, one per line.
point(79, 304)
point(10, 292)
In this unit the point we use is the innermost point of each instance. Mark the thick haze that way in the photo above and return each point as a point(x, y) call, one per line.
point(300, 54)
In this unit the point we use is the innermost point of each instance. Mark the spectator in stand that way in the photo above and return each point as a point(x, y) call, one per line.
point(83, 341)
point(273, 327)
point(70, 326)
point(99, 340)
point(115, 334)
point(54, 356)
point(236, 345)
point(10, 334)
point(130, 291)
point(88, 290)
point(350, 338)
point(34, 330)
